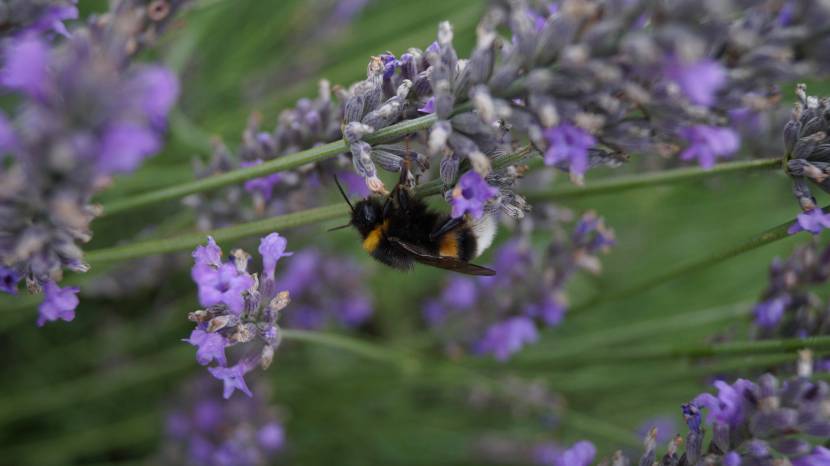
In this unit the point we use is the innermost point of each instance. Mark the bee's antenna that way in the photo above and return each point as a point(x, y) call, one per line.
point(343, 193)
point(340, 227)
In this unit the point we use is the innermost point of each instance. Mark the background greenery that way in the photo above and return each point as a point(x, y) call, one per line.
point(95, 391)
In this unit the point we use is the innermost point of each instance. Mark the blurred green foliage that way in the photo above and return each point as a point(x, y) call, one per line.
point(95, 391)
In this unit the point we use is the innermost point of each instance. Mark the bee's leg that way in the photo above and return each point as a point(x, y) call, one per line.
point(447, 226)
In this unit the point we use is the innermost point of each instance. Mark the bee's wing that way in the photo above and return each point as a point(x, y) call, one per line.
point(442, 262)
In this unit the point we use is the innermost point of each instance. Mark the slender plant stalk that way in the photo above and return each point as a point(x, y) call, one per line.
point(647, 180)
point(279, 164)
point(355, 346)
point(568, 347)
point(672, 352)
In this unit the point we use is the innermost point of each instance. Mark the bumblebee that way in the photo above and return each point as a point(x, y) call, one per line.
point(399, 230)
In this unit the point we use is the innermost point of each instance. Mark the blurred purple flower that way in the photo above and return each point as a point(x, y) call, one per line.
point(568, 145)
point(732, 459)
point(58, 303)
point(581, 453)
point(8, 280)
point(708, 143)
point(820, 456)
point(471, 194)
point(727, 407)
point(157, 89)
point(429, 106)
point(505, 338)
point(125, 145)
point(700, 81)
point(53, 17)
point(264, 186)
point(813, 221)
point(26, 66)
point(768, 313)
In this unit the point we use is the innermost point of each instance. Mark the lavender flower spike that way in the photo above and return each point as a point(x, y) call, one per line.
point(240, 309)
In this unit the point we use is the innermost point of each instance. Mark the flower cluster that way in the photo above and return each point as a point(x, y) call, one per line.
point(203, 431)
point(84, 114)
point(807, 152)
point(325, 289)
point(240, 308)
point(309, 123)
point(753, 423)
point(790, 307)
point(37, 16)
point(499, 315)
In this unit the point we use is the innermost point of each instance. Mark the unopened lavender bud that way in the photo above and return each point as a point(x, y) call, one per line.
point(483, 103)
point(218, 323)
point(387, 160)
point(240, 259)
point(445, 33)
point(650, 444)
point(354, 108)
point(279, 302)
point(267, 357)
point(244, 333)
point(438, 136)
point(362, 159)
point(480, 163)
point(448, 169)
point(805, 363)
point(376, 185)
point(354, 131)
point(198, 316)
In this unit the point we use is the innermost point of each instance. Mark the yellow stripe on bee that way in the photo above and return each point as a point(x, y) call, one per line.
point(373, 238)
point(448, 245)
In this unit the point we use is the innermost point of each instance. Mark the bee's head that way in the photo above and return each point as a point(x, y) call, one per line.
point(366, 215)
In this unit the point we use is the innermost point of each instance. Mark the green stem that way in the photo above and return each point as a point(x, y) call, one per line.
point(352, 345)
point(279, 164)
point(191, 240)
point(568, 347)
point(625, 183)
point(738, 348)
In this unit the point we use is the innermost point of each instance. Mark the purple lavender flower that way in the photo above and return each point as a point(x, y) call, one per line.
point(499, 315)
point(581, 453)
point(233, 378)
point(700, 80)
point(325, 289)
point(58, 303)
point(85, 113)
point(568, 145)
point(768, 313)
point(263, 186)
point(429, 106)
point(505, 338)
point(272, 248)
point(727, 407)
point(211, 347)
point(240, 310)
point(813, 221)
point(222, 285)
point(708, 143)
point(26, 66)
point(471, 194)
point(732, 459)
point(820, 456)
point(9, 279)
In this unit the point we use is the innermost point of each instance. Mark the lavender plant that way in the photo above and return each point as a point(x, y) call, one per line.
point(240, 308)
point(85, 113)
point(204, 431)
point(501, 314)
